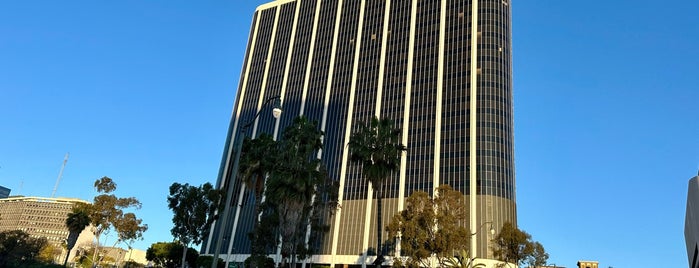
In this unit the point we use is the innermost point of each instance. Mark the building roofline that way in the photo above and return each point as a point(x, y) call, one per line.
point(43, 199)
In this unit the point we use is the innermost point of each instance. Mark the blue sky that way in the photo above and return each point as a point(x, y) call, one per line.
point(607, 130)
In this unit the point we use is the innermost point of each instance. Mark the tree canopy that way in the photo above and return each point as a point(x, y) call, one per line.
point(193, 208)
point(430, 226)
point(18, 249)
point(296, 178)
point(297, 191)
point(76, 222)
point(516, 246)
point(107, 212)
point(167, 254)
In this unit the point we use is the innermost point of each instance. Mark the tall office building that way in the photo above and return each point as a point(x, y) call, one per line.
point(441, 69)
point(691, 223)
point(4, 192)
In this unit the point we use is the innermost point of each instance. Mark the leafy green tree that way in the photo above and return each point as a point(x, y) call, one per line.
point(205, 261)
point(160, 254)
point(107, 212)
point(296, 178)
point(76, 222)
point(193, 209)
point(48, 253)
point(260, 261)
point(132, 264)
point(376, 147)
point(431, 226)
point(516, 246)
point(18, 249)
point(167, 254)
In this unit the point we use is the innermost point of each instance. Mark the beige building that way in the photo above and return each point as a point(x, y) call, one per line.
point(38, 216)
point(588, 264)
point(118, 256)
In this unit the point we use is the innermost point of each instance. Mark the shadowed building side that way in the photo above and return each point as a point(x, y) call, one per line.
point(447, 85)
point(691, 223)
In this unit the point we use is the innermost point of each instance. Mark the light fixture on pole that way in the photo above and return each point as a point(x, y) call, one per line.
point(492, 232)
point(276, 112)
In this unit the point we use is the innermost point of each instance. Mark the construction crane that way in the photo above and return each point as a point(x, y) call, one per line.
point(60, 174)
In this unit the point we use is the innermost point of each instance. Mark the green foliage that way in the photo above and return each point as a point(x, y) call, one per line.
point(193, 209)
point(84, 258)
point(462, 261)
point(258, 158)
point(132, 264)
point(48, 253)
point(431, 226)
point(76, 222)
point(297, 190)
point(205, 262)
point(516, 246)
point(376, 147)
point(259, 261)
point(168, 254)
point(18, 249)
point(256, 161)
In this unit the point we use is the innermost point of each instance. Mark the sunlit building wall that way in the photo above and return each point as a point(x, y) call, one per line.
point(38, 216)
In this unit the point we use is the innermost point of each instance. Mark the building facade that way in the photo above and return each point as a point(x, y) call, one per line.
point(441, 69)
point(691, 223)
point(588, 264)
point(4, 192)
point(38, 216)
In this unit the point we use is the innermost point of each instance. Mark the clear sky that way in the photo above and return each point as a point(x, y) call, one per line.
point(607, 125)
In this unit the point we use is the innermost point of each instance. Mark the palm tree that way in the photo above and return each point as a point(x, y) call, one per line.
point(292, 182)
point(256, 160)
point(376, 147)
point(76, 222)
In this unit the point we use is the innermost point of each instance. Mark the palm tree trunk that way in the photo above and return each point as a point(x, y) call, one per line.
point(379, 242)
point(65, 262)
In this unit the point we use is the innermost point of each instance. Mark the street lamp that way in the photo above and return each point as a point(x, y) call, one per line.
point(276, 112)
point(492, 232)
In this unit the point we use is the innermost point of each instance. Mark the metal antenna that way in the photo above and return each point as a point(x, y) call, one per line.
point(60, 174)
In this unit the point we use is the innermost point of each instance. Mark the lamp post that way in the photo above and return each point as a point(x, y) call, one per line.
point(492, 232)
point(276, 112)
